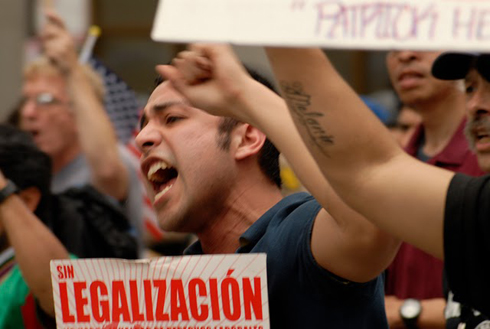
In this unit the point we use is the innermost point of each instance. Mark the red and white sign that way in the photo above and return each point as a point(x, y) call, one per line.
point(366, 24)
point(188, 292)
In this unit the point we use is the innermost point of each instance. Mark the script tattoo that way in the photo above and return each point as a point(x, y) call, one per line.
point(299, 102)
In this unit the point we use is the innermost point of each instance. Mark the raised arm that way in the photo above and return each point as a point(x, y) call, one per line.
point(356, 153)
point(35, 246)
point(96, 134)
point(213, 79)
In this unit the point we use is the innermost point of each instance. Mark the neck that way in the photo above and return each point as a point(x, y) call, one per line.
point(61, 160)
point(242, 209)
point(441, 118)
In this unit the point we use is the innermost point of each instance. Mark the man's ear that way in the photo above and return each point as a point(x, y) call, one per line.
point(31, 197)
point(249, 141)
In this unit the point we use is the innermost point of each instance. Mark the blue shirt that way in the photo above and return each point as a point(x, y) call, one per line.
point(301, 293)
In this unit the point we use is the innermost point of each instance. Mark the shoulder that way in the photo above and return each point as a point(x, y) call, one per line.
point(466, 229)
point(465, 189)
point(466, 206)
point(285, 223)
point(293, 206)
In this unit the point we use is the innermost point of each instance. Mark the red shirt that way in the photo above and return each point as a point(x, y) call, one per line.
point(414, 273)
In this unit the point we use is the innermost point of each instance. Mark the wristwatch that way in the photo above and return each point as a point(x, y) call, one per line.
point(410, 312)
point(8, 190)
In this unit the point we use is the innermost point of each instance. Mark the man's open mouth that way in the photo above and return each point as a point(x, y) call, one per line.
point(162, 177)
point(482, 136)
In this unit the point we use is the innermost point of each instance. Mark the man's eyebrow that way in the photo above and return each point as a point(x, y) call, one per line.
point(160, 108)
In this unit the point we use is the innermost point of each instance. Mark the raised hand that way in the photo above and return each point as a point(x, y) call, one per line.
point(212, 78)
point(58, 43)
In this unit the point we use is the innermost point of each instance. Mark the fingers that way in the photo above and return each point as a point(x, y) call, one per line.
point(194, 67)
point(58, 44)
point(195, 94)
point(52, 18)
point(172, 74)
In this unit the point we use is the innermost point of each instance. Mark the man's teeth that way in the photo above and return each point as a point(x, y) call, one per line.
point(155, 167)
point(484, 139)
point(162, 192)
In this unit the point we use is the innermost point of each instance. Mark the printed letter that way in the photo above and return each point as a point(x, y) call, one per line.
point(100, 308)
point(195, 284)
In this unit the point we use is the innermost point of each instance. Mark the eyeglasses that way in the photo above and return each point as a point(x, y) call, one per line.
point(43, 100)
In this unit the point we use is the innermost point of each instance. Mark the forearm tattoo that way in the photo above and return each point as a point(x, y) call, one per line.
point(299, 102)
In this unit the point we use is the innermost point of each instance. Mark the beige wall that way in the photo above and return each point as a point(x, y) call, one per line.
point(12, 33)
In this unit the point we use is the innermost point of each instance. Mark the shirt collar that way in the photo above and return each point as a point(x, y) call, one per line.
point(454, 152)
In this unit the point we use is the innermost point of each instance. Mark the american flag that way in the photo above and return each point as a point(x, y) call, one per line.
point(120, 102)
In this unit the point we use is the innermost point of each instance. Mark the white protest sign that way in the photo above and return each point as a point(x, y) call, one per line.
point(189, 292)
point(367, 24)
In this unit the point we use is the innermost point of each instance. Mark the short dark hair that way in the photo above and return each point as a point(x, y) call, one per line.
point(23, 163)
point(269, 154)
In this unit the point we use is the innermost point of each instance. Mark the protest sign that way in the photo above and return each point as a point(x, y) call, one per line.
point(361, 24)
point(189, 292)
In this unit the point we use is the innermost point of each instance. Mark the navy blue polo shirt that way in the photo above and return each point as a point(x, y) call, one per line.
point(301, 293)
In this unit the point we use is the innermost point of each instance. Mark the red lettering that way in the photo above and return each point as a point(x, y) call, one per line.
point(230, 294)
point(100, 308)
point(70, 272)
point(119, 302)
point(80, 301)
point(252, 299)
point(195, 284)
point(177, 301)
point(65, 308)
point(160, 311)
point(148, 300)
point(213, 293)
point(65, 272)
point(135, 305)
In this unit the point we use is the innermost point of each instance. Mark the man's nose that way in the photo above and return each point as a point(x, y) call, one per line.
point(479, 102)
point(406, 55)
point(147, 138)
point(28, 109)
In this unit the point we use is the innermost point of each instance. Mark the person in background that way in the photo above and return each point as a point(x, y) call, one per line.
point(45, 226)
point(438, 140)
point(63, 110)
point(473, 68)
point(406, 121)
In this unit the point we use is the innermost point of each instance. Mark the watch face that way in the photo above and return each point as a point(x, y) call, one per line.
point(410, 309)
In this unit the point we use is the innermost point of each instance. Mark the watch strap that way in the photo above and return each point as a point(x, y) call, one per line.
point(8, 190)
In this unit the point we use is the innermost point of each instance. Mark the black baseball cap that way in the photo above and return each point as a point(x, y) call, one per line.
point(455, 66)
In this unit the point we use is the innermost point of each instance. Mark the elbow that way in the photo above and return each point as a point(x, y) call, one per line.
point(376, 253)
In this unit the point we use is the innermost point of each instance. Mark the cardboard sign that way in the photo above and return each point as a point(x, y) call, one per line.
point(189, 292)
point(366, 24)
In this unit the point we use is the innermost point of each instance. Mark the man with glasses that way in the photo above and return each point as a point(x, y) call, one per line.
point(63, 110)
